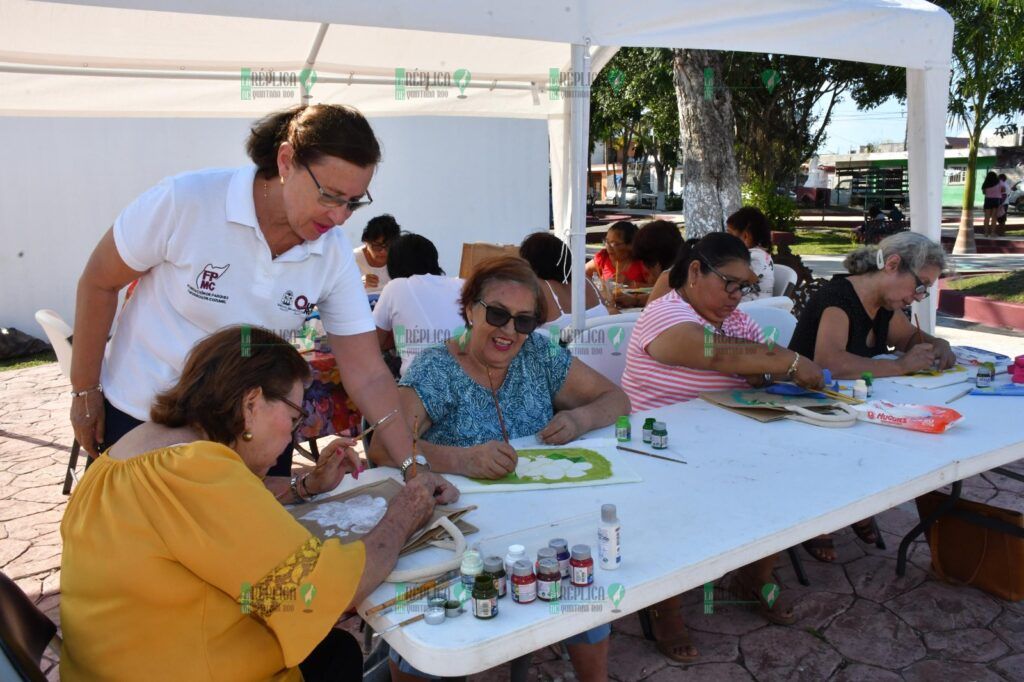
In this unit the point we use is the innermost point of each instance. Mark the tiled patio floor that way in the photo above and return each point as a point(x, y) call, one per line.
point(857, 621)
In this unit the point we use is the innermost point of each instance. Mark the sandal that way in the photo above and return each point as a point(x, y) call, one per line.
point(769, 604)
point(663, 624)
point(866, 531)
point(817, 548)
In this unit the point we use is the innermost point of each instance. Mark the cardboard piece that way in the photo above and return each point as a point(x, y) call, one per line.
point(764, 406)
point(473, 253)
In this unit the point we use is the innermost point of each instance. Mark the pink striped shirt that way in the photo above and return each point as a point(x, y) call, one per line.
point(649, 383)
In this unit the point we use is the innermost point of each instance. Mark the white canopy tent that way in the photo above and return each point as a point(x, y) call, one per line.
point(184, 58)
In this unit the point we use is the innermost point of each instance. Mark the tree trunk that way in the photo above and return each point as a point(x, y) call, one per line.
point(711, 184)
point(965, 233)
point(627, 137)
point(659, 170)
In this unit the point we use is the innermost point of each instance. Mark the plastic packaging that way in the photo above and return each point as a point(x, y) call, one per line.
point(924, 418)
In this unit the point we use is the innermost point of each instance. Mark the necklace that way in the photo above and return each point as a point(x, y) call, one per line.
point(497, 407)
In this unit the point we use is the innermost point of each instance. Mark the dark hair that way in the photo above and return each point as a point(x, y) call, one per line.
point(313, 131)
point(657, 243)
point(548, 256)
point(1002, 176)
point(412, 254)
point(625, 228)
point(219, 371)
point(750, 219)
point(714, 249)
point(501, 269)
point(383, 225)
point(991, 180)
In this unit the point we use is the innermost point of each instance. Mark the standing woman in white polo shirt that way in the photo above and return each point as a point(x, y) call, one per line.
point(217, 247)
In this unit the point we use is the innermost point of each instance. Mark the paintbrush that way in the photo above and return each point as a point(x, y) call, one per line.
point(917, 323)
point(379, 422)
point(415, 441)
point(445, 580)
point(959, 395)
point(407, 621)
point(649, 454)
point(839, 396)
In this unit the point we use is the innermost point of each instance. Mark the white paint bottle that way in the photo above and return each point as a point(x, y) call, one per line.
point(609, 539)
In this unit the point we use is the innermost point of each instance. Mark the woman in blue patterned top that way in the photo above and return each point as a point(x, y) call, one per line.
point(501, 381)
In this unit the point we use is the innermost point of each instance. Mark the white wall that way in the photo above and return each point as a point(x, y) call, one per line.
point(66, 179)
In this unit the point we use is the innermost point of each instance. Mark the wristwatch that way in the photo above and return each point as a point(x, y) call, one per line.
point(419, 460)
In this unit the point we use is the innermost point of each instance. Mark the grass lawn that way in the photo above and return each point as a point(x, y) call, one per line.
point(28, 361)
point(1004, 286)
point(837, 242)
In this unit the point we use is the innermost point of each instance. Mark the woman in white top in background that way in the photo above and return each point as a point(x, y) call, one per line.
point(372, 256)
point(419, 307)
point(550, 260)
point(752, 227)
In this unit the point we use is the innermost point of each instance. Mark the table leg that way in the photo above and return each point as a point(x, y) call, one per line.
point(520, 668)
point(798, 566)
point(924, 525)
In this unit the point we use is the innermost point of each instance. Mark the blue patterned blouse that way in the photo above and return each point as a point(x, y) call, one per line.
point(462, 411)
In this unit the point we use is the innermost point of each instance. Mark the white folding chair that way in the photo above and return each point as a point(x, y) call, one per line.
point(780, 302)
point(58, 332)
point(602, 344)
point(776, 324)
point(784, 276)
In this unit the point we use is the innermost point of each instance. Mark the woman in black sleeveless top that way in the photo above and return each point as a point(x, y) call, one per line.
point(857, 316)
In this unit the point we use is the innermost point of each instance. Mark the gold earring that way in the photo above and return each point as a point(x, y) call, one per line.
point(246, 436)
point(266, 190)
point(282, 179)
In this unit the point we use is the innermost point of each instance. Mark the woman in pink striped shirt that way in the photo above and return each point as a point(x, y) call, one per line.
point(691, 340)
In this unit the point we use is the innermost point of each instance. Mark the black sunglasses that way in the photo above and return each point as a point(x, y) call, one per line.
point(335, 201)
point(499, 317)
point(300, 419)
point(732, 285)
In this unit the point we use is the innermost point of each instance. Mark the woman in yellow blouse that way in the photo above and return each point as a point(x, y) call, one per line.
point(179, 564)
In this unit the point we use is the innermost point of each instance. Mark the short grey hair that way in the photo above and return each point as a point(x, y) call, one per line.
point(915, 251)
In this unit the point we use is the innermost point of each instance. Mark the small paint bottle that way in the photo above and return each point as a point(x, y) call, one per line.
point(869, 379)
point(986, 373)
point(549, 580)
point(545, 553)
point(561, 548)
point(860, 389)
point(609, 535)
point(524, 583)
point(471, 567)
point(623, 432)
point(648, 429)
point(582, 566)
point(659, 436)
point(494, 566)
point(485, 597)
point(515, 553)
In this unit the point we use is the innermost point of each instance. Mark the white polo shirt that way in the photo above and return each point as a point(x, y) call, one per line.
point(208, 266)
point(421, 311)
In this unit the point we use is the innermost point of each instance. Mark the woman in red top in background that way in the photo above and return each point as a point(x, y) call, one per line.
point(615, 261)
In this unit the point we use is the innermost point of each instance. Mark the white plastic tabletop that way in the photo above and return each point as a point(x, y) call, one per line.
point(748, 490)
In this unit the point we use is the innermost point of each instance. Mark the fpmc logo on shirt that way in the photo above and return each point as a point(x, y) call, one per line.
point(206, 283)
point(295, 304)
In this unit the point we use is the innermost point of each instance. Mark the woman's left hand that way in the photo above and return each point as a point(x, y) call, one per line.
point(944, 355)
point(563, 427)
point(336, 460)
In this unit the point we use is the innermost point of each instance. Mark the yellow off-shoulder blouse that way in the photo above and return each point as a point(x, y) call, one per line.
point(179, 564)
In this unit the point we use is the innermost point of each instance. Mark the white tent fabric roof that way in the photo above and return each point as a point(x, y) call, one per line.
point(512, 44)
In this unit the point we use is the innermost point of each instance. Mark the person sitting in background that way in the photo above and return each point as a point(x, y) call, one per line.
point(468, 398)
point(853, 318)
point(372, 256)
point(875, 227)
point(692, 340)
point(615, 262)
point(179, 564)
point(655, 245)
point(419, 307)
point(551, 261)
point(751, 226)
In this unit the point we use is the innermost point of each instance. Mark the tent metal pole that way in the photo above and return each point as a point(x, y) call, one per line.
point(579, 115)
point(311, 60)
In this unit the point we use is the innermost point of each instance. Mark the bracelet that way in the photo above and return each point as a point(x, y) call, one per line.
point(295, 490)
point(79, 394)
point(302, 482)
point(792, 368)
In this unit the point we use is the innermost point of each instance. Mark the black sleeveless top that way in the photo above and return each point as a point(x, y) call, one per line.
point(839, 293)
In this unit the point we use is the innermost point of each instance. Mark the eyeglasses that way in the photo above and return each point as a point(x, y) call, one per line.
point(298, 420)
point(732, 285)
point(378, 246)
point(920, 288)
point(335, 201)
point(499, 317)
point(613, 245)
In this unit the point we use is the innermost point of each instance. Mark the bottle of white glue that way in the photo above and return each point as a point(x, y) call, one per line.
point(609, 545)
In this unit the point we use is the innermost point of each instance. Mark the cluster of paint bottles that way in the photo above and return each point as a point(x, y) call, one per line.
point(490, 579)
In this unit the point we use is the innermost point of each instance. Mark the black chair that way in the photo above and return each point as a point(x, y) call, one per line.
point(25, 632)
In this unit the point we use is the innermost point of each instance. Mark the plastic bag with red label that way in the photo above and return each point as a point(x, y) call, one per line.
point(924, 418)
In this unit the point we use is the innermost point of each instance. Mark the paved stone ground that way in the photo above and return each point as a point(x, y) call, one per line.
point(857, 621)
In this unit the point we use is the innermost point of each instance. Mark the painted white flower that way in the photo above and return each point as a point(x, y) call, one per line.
point(551, 469)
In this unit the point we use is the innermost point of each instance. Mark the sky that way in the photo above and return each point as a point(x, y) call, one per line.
point(851, 128)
